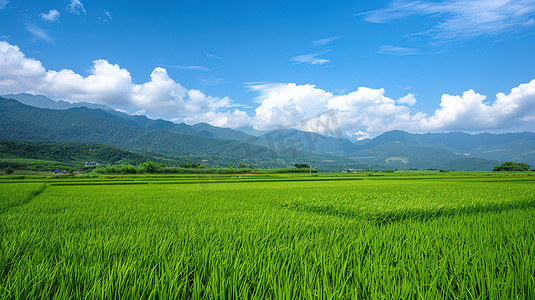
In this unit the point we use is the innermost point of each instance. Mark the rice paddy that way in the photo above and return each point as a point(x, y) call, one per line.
point(462, 235)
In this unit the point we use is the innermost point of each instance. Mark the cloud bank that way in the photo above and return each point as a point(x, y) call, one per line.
point(361, 113)
point(367, 111)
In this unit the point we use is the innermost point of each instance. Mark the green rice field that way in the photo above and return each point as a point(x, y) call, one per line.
point(325, 236)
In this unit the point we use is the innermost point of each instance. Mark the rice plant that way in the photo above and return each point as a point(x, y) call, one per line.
point(284, 238)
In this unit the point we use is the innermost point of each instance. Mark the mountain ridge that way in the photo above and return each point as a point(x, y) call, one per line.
point(20, 122)
point(392, 149)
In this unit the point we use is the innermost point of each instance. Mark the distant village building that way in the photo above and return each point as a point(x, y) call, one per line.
point(58, 172)
point(92, 163)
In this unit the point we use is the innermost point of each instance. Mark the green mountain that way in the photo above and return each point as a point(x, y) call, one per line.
point(400, 149)
point(45, 102)
point(456, 150)
point(72, 155)
point(455, 141)
point(139, 121)
point(307, 141)
point(223, 133)
point(19, 122)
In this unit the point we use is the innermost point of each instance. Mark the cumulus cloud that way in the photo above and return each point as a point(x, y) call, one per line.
point(462, 19)
point(410, 100)
point(52, 16)
point(3, 3)
point(76, 7)
point(368, 112)
point(283, 104)
point(110, 84)
point(472, 109)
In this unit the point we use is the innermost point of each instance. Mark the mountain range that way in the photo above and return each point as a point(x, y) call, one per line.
point(26, 117)
point(203, 143)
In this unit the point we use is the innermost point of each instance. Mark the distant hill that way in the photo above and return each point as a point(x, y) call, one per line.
point(45, 102)
point(223, 133)
point(202, 129)
point(456, 150)
point(50, 155)
point(20, 122)
point(400, 149)
point(308, 141)
point(455, 141)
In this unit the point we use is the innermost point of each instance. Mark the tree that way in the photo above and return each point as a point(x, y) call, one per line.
point(242, 166)
point(9, 170)
point(191, 165)
point(149, 167)
point(128, 169)
point(512, 166)
point(302, 166)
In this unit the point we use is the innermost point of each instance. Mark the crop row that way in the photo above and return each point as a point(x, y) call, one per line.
point(310, 239)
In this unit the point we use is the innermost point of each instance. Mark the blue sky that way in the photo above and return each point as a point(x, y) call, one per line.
point(269, 63)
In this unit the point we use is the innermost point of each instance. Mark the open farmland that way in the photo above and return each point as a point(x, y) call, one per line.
point(456, 235)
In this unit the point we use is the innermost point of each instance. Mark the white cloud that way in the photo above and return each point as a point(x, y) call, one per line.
point(471, 109)
point(284, 104)
point(325, 41)
point(107, 16)
point(3, 3)
point(410, 100)
point(112, 85)
point(236, 118)
point(368, 112)
point(311, 59)
point(107, 84)
point(211, 55)
point(14, 63)
point(358, 136)
point(76, 7)
point(462, 19)
point(52, 16)
point(399, 51)
point(38, 33)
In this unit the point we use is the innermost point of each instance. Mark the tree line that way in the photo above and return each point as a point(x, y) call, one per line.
point(150, 167)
